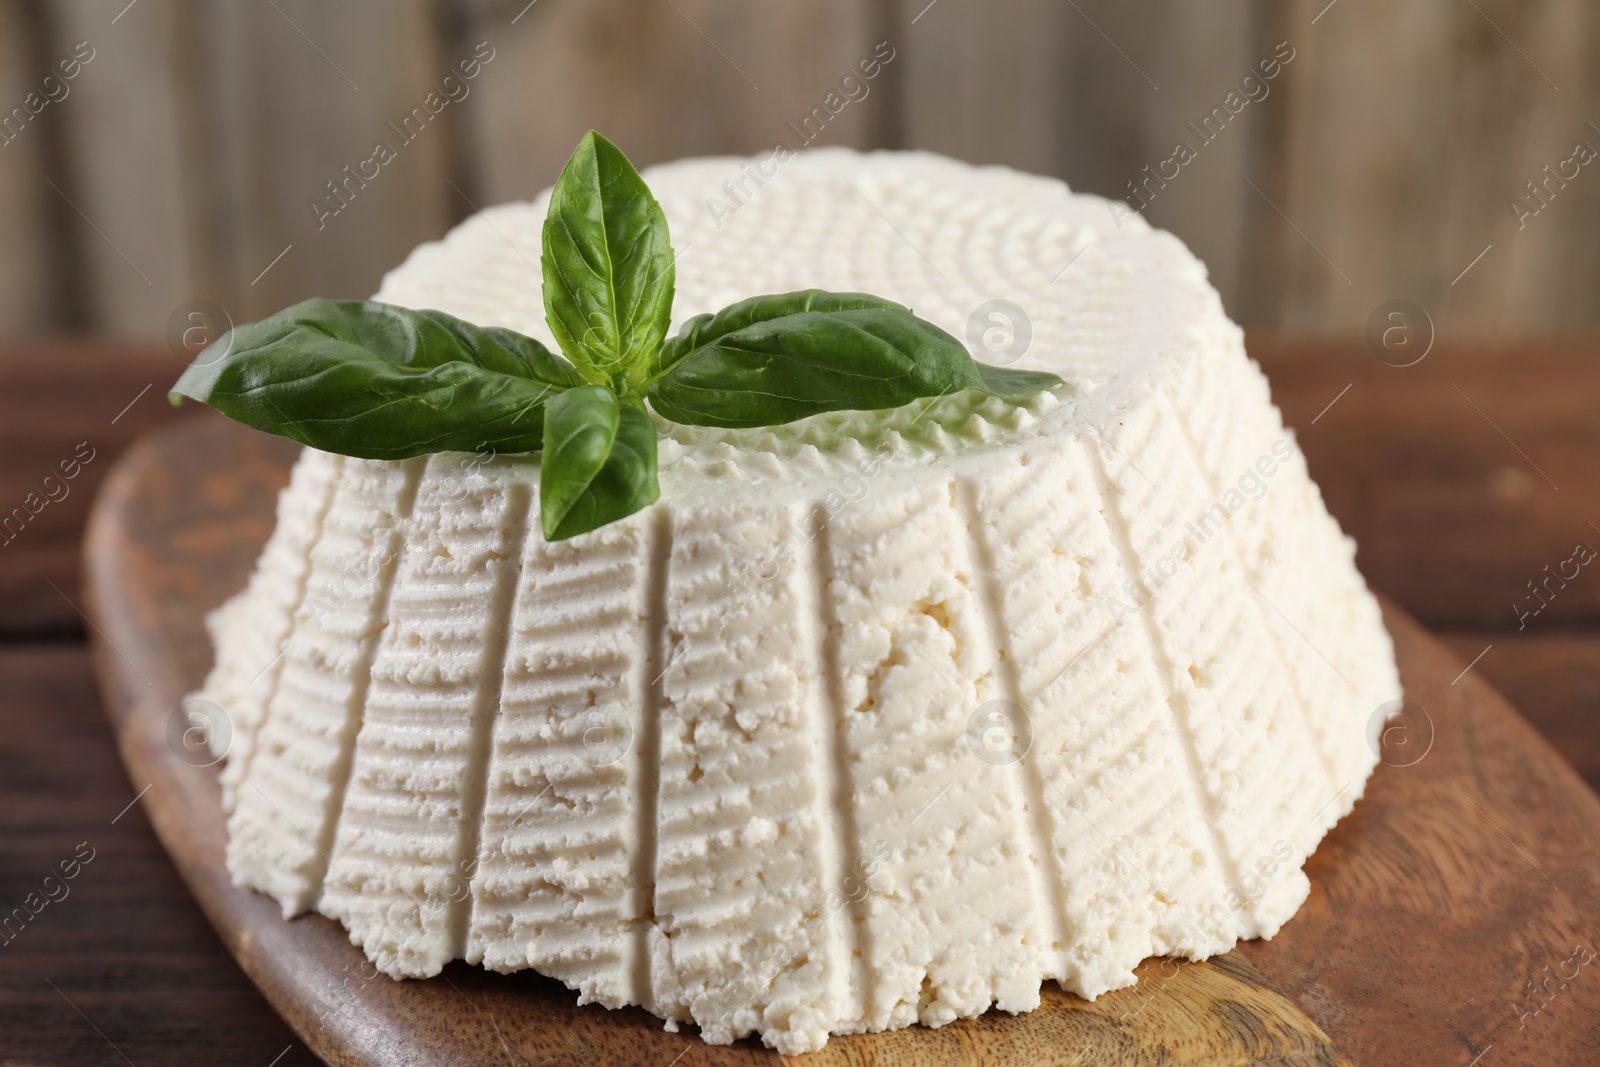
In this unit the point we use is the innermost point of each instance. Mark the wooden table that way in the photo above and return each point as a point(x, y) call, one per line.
point(1462, 478)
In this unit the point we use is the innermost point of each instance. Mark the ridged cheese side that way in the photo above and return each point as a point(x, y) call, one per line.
point(1246, 743)
point(1330, 631)
point(251, 630)
point(1132, 851)
point(401, 867)
point(746, 852)
point(281, 828)
point(913, 664)
point(557, 884)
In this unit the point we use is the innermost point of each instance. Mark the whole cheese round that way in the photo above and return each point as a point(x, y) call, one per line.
point(874, 719)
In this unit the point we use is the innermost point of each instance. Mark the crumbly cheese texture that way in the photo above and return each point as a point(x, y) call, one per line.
point(875, 719)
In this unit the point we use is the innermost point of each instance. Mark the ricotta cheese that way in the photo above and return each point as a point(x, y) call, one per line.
point(875, 719)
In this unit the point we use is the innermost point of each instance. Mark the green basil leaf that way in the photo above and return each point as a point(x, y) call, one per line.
point(599, 462)
point(378, 381)
point(773, 359)
point(1014, 384)
point(608, 264)
point(705, 331)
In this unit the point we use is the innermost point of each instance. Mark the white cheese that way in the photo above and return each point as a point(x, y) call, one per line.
point(875, 719)
point(562, 883)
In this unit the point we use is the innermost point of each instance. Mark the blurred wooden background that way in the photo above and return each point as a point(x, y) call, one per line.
point(179, 163)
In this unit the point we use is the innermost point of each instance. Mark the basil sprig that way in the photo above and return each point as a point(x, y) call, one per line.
point(378, 381)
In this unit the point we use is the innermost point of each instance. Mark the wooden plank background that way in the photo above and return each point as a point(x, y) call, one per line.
point(1381, 162)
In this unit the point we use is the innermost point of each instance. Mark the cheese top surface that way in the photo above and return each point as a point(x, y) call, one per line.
point(1099, 303)
point(875, 719)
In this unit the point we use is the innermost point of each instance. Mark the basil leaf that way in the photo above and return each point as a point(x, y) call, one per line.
point(378, 381)
point(599, 462)
point(705, 331)
point(1014, 384)
point(773, 359)
point(608, 264)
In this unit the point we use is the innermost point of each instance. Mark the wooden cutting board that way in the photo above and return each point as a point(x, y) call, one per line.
point(1449, 920)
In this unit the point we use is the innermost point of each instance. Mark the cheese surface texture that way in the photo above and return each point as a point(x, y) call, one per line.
point(874, 719)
